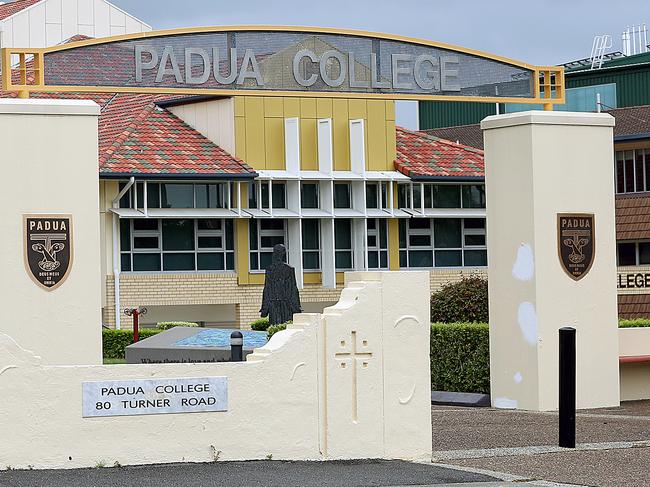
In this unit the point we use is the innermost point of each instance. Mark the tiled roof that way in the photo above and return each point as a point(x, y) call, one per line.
point(631, 120)
point(423, 156)
point(633, 216)
point(470, 135)
point(156, 142)
point(8, 9)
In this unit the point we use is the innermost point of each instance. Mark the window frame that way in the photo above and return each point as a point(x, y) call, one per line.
point(267, 233)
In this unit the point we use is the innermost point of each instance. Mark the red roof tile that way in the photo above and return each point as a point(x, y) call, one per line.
point(420, 155)
point(8, 9)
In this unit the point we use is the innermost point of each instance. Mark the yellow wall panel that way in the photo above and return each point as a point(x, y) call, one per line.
point(291, 107)
point(244, 194)
point(341, 134)
point(312, 277)
point(308, 107)
point(393, 244)
point(390, 110)
point(357, 109)
point(376, 136)
point(240, 138)
point(308, 145)
point(242, 250)
point(239, 106)
point(274, 146)
point(273, 106)
point(324, 108)
point(391, 147)
point(255, 152)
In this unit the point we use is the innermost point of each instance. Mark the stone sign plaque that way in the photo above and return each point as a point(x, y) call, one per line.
point(576, 245)
point(48, 249)
point(155, 396)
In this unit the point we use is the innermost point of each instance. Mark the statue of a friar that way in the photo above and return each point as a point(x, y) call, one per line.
point(281, 298)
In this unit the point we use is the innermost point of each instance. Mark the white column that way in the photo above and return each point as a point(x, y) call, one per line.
point(292, 145)
point(539, 165)
point(294, 256)
point(325, 150)
point(327, 253)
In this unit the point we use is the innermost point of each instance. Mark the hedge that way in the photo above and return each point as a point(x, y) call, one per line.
point(465, 301)
point(460, 357)
point(261, 324)
point(166, 325)
point(636, 323)
point(115, 341)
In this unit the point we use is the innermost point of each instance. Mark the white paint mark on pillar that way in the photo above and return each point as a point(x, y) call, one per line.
point(518, 378)
point(527, 319)
point(524, 267)
point(505, 403)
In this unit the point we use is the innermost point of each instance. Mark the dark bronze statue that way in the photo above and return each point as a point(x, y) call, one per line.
point(281, 299)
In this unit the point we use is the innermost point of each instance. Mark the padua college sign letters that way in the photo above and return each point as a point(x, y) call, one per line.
point(48, 251)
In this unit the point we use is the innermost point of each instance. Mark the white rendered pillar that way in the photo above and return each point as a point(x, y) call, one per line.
point(540, 165)
point(49, 159)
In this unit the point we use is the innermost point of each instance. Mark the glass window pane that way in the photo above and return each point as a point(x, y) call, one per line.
point(644, 253)
point(474, 196)
point(446, 196)
point(447, 233)
point(373, 260)
point(646, 157)
point(383, 234)
point(428, 196)
point(309, 195)
point(265, 194)
point(310, 237)
point(475, 223)
point(266, 258)
point(402, 233)
point(125, 201)
point(371, 224)
point(153, 195)
point(145, 224)
point(343, 234)
point(178, 234)
point(343, 260)
point(210, 196)
point(252, 232)
point(230, 261)
point(342, 195)
point(140, 191)
point(417, 202)
point(448, 258)
point(420, 240)
point(372, 240)
point(125, 262)
point(271, 224)
point(270, 241)
point(254, 264)
point(252, 194)
point(145, 243)
point(230, 235)
point(640, 179)
point(210, 262)
point(383, 259)
point(210, 242)
point(177, 195)
point(146, 262)
point(420, 223)
point(310, 260)
point(403, 196)
point(626, 254)
point(125, 235)
point(178, 262)
point(629, 171)
point(620, 179)
point(402, 259)
point(420, 258)
point(475, 258)
point(474, 239)
point(372, 195)
point(384, 195)
point(213, 224)
point(279, 195)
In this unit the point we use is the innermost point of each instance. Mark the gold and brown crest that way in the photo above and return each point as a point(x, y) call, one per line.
point(48, 250)
point(576, 243)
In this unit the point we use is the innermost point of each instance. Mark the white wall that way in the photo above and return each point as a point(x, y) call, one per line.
point(51, 22)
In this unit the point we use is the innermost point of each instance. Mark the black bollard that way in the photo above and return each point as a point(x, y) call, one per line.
point(236, 346)
point(567, 387)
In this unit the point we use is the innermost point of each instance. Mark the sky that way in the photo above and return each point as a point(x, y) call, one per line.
point(537, 32)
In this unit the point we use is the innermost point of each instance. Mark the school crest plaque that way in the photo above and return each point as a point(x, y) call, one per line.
point(576, 245)
point(48, 249)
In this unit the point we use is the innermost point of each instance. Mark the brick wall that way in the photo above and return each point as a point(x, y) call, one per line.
point(200, 289)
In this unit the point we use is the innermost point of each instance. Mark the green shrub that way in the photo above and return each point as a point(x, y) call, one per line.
point(273, 329)
point(460, 357)
point(635, 323)
point(260, 325)
point(166, 325)
point(465, 301)
point(115, 341)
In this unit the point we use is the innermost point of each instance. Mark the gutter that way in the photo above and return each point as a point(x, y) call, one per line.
point(181, 176)
point(623, 138)
point(116, 254)
point(448, 179)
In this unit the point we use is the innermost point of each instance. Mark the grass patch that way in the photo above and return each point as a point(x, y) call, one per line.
point(114, 361)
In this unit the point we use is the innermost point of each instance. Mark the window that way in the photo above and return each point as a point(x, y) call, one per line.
point(278, 192)
point(442, 242)
point(309, 195)
point(632, 171)
point(343, 244)
point(633, 253)
point(441, 195)
point(377, 243)
point(342, 198)
point(446, 196)
point(311, 245)
point(377, 195)
point(474, 196)
point(177, 195)
point(151, 245)
point(264, 234)
point(211, 196)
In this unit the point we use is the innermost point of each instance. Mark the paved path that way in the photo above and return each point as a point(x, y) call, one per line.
point(613, 444)
point(257, 474)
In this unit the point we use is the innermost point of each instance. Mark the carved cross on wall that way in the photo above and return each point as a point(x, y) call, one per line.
point(353, 356)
